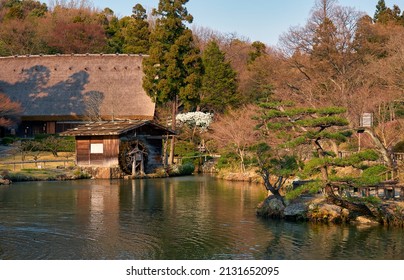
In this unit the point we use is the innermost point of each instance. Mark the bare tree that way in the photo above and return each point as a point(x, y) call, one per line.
point(236, 130)
point(321, 57)
point(93, 102)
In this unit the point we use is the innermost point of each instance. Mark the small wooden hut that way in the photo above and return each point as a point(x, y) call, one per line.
point(134, 146)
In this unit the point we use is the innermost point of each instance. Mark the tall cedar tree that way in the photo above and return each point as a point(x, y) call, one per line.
point(219, 84)
point(137, 33)
point(173, 68)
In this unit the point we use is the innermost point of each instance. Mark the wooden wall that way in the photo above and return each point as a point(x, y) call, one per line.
point(109, 157)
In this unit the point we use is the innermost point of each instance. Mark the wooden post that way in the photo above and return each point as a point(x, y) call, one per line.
point(141, 165)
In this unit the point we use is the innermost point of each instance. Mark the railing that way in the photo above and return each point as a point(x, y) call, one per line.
point(394, 156)
point(398, 157)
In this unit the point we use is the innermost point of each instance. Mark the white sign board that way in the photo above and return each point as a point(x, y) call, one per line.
point(97, 148)
point(366, 120)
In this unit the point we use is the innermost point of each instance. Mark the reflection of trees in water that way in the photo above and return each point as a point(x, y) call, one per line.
point(317, 241)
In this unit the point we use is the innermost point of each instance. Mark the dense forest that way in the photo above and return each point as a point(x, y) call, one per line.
point(340, 64)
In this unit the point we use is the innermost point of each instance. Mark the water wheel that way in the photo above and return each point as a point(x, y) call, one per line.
point(133, 157)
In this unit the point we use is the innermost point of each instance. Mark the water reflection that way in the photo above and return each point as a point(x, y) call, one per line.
point(177, 218)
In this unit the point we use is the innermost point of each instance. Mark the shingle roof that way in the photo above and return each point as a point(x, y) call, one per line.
point(73, 86)
point(113, 128)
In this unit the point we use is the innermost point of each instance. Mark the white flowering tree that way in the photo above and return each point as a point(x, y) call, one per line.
point(197, 120)
point(193, 123)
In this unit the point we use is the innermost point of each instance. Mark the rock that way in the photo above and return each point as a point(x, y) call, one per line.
point(297, 211)
point(5, 181)
point(365, 221)
point(271, 207)
point(324, 212)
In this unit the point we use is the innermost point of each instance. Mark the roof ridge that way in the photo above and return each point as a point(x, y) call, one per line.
point(72, 55)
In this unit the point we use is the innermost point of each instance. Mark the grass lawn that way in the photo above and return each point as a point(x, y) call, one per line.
point(11, 166)
point(8, 158)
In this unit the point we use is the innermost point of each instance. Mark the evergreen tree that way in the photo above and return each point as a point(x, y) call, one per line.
point(136, 32)
point(259, 49)
point(219, 85)
point(380, 9)
point(318, 127)
point(112, 27)
point(173, 68)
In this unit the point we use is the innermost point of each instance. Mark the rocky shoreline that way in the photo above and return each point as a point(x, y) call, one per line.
point(316, 209)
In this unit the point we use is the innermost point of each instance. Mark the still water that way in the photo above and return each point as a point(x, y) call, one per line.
point(176, 218)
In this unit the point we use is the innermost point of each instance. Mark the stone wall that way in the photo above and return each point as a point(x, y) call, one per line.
point(104, 172)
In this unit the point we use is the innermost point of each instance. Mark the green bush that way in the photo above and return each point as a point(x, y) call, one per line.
point(80, 174)
point(8, 140)
point(186, 169)
point(399, 147)
point(227, 160)
point(182, 170)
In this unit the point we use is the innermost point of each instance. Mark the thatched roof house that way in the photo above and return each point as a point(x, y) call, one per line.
point(98, 99)
point(135, 146)
point(57, 90)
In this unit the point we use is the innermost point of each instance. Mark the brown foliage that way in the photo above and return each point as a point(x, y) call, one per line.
point(74, 31)
point(9, 111)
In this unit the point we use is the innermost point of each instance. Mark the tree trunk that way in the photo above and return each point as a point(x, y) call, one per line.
point(383, 150)
point(320, 152)
point(357, 208)
point(173, 127)
point(241, 154)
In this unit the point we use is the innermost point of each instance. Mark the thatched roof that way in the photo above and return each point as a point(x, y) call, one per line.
point(115, 128)
point(68, 87)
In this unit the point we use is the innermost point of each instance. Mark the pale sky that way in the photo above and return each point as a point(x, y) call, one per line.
point(257, 20)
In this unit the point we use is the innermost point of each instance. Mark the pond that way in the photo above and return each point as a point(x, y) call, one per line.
point(197, 217)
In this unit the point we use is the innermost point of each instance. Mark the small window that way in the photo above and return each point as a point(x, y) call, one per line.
point(97, 148)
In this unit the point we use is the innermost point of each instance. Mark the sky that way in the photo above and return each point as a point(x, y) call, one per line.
point(256, 20)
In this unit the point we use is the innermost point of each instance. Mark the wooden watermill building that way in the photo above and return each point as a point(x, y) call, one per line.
point(135, 146)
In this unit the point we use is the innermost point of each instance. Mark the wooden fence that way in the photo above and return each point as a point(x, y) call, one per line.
point(38, 163)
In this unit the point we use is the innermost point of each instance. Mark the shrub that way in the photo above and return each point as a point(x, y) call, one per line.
point(186, 169)
point(399, 147)
point(182, 170)
point(8, 140)
point(80, 174)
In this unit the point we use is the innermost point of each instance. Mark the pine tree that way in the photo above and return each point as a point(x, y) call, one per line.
point(219, 85)
point(315, 128)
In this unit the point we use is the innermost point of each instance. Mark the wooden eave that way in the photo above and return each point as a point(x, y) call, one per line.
point(105, 128)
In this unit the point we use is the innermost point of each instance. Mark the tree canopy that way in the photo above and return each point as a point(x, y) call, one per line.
point(173, 67)
point(219, 84)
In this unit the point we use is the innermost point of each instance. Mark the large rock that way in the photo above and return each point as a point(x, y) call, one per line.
point(297, 211)
point(365, 221)
point(271, 207)
point(324, 212)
